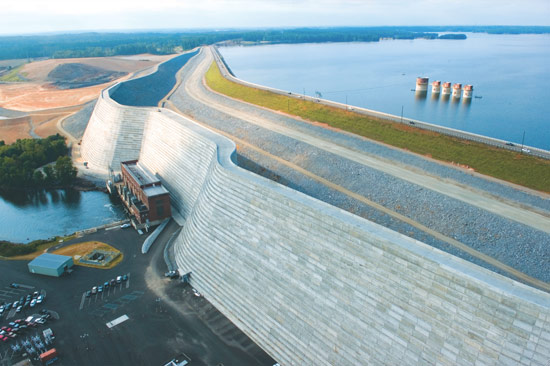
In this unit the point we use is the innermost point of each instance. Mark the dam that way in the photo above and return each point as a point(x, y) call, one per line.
point(310, 283)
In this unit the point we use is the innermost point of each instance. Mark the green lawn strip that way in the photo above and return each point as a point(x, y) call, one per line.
point(503, 164)
point(12, 75)
point(31, 250)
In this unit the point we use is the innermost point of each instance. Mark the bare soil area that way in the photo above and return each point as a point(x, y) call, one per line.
point(38, 71)
point(57, 88)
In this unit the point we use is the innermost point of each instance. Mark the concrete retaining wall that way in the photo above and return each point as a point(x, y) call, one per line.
point(315, 285)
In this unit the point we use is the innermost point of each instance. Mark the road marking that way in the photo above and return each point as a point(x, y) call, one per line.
point(128, 281)
point(82, 301)
point(25, 286)
point(465, 248)
point(117, 321)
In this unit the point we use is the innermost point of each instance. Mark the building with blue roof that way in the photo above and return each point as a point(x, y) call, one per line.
point(51, 264)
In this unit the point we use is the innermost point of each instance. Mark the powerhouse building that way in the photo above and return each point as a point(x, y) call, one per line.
point(143, 194)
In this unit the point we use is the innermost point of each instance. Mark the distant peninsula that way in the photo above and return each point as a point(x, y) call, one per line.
point(452, 36)
point(156, 42)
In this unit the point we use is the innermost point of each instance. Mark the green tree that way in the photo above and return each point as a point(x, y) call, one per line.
point(65, 170)
point(50, 177)
point(38, 178)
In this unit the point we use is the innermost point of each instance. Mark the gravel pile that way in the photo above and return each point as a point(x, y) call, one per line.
point(514, 244)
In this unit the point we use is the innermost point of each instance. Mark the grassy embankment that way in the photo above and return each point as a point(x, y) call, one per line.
point(82, 249)
point(12, 251)
point(31, 250)
point(12, 76)
point(503, 164)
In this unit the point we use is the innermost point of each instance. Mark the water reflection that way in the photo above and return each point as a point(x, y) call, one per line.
point(40, 214)
point(420, 95)
point(41, 197)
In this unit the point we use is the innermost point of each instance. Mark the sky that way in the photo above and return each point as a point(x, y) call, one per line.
point(37, 16)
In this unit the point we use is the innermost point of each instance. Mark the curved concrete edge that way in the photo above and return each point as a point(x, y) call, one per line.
point(491, 141)
point(151, 239)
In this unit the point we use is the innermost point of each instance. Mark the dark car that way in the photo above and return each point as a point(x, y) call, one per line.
point(510, 144)
point(106, 284)
point(124, 277)
point(14, 285)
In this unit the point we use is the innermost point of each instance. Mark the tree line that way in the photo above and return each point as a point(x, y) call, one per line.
point(111, 44)
point(19, 163)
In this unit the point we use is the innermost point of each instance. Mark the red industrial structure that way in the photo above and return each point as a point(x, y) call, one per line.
point(143, 194)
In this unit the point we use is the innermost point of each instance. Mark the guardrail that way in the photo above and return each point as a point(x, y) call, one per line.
point(524, 149)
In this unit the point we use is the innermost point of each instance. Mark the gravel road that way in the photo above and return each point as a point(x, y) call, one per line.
point(517, 245)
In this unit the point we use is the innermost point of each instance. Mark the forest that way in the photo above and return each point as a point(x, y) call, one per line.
point(131, 43)
point(19, 163)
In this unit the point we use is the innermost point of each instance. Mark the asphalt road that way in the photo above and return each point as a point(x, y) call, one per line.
point(165, 318)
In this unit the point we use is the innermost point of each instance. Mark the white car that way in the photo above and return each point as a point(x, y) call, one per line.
point(124, 226)
point(33, 303)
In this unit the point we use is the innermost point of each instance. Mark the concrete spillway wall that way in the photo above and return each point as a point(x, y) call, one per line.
point(310, 283)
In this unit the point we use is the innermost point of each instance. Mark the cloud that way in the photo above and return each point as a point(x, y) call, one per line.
point(25, 16)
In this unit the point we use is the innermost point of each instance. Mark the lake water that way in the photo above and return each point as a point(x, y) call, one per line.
point(509, 72)
point(41, 215)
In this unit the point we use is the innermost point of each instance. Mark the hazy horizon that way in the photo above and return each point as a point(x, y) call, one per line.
point(64, 16)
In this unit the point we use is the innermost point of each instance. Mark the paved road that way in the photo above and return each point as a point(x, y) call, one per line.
point(497, 205)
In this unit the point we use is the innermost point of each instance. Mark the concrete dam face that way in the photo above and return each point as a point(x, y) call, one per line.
point(309, 283)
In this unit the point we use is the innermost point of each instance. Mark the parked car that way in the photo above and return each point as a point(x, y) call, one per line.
point(124, 277)
point(33, 303)
point(113, 282)
point(14, 285)
point(19, 308)
point(88, 293)
point(39, 299)
point(100, 289)
point(119, 279)
point(106, 284)
point(94, 290)
point(124, 226)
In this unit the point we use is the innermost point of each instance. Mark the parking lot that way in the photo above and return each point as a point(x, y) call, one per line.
point(162, 318)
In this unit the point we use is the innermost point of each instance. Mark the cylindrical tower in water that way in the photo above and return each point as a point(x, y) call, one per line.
point(421, 84)
point(436, 87)
point(446, 88)
point(457, 90)
point(468, 91)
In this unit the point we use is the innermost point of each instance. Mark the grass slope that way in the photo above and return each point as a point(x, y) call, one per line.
point(503, 164)
point(12, 76)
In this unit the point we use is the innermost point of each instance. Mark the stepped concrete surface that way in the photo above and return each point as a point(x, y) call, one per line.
point(310, 283)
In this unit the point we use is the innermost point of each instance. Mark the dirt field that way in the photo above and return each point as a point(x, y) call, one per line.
point(48, 104)
point(38, 71)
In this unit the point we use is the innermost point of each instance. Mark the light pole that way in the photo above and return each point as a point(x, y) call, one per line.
point(401, 114)
point(522, 140)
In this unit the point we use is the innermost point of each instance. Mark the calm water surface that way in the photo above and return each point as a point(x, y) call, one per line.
point(41, 215)
point(509, 72)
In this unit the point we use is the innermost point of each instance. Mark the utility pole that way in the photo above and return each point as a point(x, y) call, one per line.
point(401, 114)
point(522, 140)
point(346, 101)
